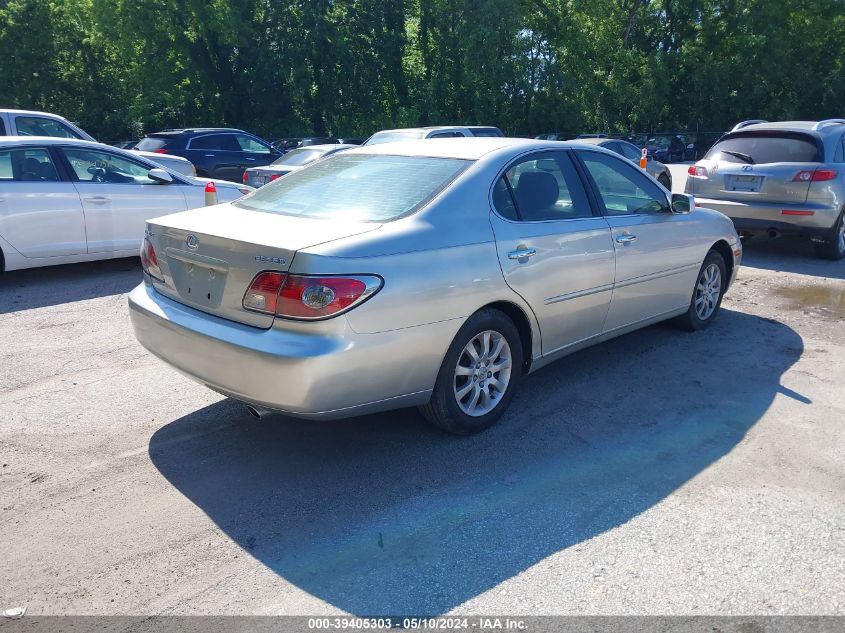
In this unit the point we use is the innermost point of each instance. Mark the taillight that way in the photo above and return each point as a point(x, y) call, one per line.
point(263, 292)
point(149, 260)
point(815, 175)
point(307, 297)
point(245, 178)
point(161, 150)
point(697, 170)
point(275, 177)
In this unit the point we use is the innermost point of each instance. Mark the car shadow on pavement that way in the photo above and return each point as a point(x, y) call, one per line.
point(54, 285)
point(384, 515)
point(789, 254)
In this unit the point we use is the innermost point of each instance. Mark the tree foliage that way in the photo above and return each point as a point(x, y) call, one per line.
point(290, 67)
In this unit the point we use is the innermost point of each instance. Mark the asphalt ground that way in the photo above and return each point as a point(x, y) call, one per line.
point(660, 473)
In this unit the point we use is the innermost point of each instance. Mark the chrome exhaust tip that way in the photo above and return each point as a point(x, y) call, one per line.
point(258, 412)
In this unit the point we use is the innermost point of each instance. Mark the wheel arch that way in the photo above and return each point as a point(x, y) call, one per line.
point(724, 249)
point(523, 326)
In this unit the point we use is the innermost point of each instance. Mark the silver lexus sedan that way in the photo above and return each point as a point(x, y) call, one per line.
point(423, 273)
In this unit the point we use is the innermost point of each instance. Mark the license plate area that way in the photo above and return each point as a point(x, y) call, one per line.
point(198, 279)
point(743, 183)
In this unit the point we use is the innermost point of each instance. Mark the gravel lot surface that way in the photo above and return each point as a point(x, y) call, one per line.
point(660, 473)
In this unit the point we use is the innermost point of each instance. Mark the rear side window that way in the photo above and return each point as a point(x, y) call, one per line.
point(226, 142)
point(357, 188)
point(31, 164)
point(541, 187)
point(446, 135)
point(755, 149)
point(39, 126)
point(151, 144)
point(2, 128)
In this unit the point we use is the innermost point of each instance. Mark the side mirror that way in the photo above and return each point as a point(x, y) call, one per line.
point(682, 203)
point(161, 176)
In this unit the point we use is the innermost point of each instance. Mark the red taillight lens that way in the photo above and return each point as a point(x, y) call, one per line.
point(263, 292)
point(245, 178)
point(161, 150)
point(697, 170)
point(149, 260)
point(306, 297)
point(275, 177)
point(815, 175)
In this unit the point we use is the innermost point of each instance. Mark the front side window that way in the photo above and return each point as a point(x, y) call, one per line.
point(630, 152)
point(30, 164)
point(249, 144)
point(39, 126)
point(622, 188)
point(96, 166)
point(357, 188)
point(543, 186)
point(221, 142)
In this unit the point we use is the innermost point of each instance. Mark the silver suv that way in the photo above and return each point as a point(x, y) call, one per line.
point(786, 177)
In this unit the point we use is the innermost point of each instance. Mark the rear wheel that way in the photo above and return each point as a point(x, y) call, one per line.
point(707, 293)
point(834, 248)
point(663, 179)
point(478, 376)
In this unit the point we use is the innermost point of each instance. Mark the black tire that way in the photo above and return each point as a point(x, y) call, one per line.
point(691, 320)
point(664, 180)
point(443, 410)
point(834, 248)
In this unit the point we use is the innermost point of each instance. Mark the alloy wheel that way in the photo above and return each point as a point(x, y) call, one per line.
point(707, 291)
point(482, 373)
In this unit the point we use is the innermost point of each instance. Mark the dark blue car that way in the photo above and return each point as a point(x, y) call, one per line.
point(222, 153)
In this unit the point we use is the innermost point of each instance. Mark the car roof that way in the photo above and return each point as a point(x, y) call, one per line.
point(792, 126)
point(52, 140)
point(467, 148)
point(324, 146)
point(192, 130)
point(38, 112)
point(591, 140)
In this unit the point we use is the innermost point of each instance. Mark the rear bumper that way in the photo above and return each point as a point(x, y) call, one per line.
point(330, 373)
point(762, 217)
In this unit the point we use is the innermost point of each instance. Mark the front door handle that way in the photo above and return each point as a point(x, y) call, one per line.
point(98, 200)
point(210, 155)
point(626, 239)
point(522, 253)
point(250, 159)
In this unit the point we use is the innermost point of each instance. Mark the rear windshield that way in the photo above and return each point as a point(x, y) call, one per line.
point(766, 148)
point(486, 131)
point(390, 137)
point(300, 156)
point(361, 188)
point(150, 144)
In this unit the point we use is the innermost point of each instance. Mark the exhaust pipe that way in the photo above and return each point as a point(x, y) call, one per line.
point(773, 233)
point(258, 412)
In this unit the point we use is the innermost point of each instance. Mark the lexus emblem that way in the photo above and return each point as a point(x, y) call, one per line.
point(746, 168)
point(192, 242)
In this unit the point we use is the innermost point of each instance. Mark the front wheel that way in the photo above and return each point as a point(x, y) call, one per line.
point(835, 247)
point(478, 376)
point(710, 286)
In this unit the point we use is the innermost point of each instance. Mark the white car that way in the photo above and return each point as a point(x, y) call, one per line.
point(34, 123)
point(65, 200)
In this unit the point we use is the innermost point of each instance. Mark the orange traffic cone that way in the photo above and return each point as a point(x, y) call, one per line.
point(210, 194)
point(644, 158)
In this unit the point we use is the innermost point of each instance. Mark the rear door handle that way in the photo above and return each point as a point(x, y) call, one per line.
point(522, 253)
point(626, 239)
point(210, 155)
point(250, 159)
point(98, 200)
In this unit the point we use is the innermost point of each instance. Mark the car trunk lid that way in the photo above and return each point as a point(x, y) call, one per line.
point(209, 256)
